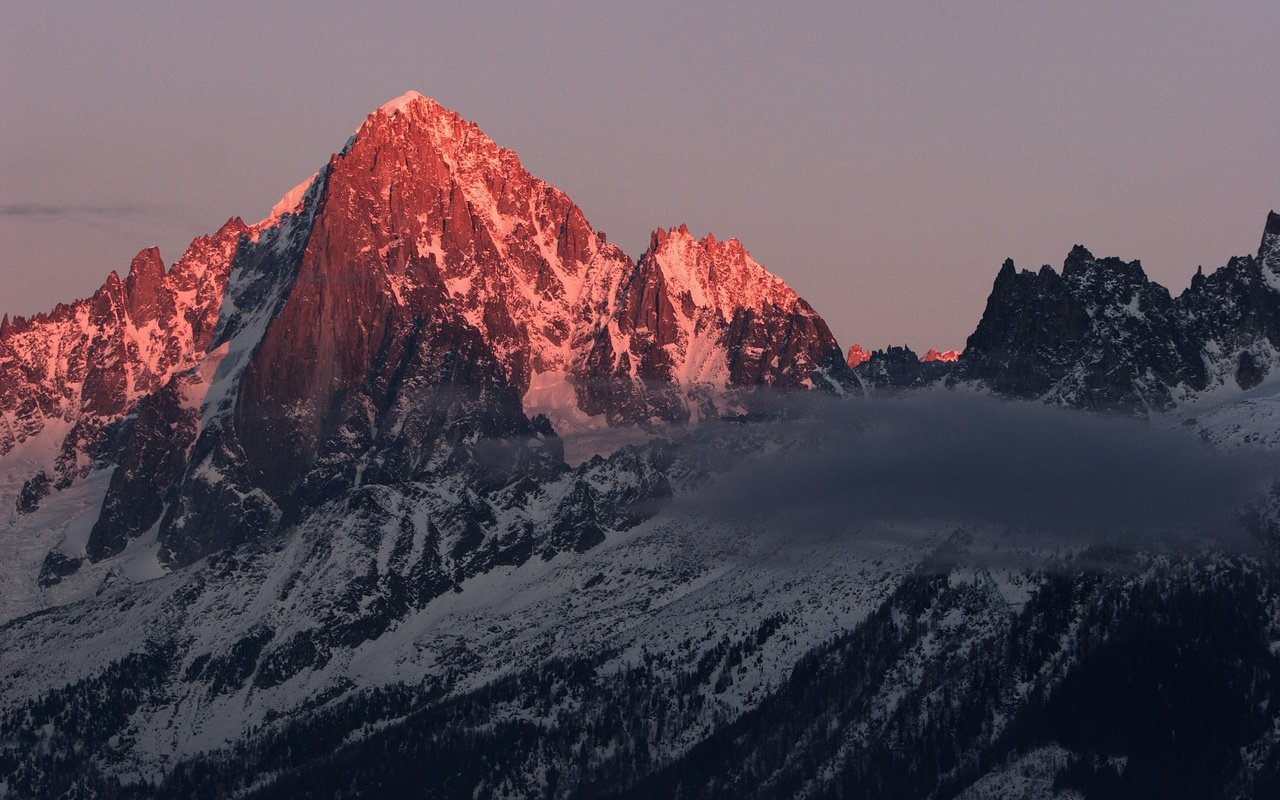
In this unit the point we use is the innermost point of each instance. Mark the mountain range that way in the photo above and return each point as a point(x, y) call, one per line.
point(416, 486)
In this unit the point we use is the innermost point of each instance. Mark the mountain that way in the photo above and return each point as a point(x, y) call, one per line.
point(420, 293)
point(945, 355)
point(895, 369)
point(1103, 336)
point(696, 318)
point(295, 517)
point(856, 356)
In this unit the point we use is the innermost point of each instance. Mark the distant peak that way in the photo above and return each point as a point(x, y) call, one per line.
point(1008, 271)
point(856, 355)
point(1079, 262)
point(1080, 253)
point(233, 225)
point(934, 354)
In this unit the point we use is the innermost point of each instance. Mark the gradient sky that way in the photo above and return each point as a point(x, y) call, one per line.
point(882, 158)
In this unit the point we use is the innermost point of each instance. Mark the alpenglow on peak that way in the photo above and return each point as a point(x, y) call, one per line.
point(409, 98)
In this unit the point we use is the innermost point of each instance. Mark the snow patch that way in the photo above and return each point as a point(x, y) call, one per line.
point(289, 204)
point(398, 104)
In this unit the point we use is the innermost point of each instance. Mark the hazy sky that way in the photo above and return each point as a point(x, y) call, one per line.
point(883, 158)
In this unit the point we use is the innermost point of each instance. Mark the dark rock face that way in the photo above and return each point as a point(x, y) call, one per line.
point(215, 508)
point(1102, 336)
point(33, 491)
point(56, 566)
point(899, 368)
point(577, 527)
point(1236, 306)
point(151, 460)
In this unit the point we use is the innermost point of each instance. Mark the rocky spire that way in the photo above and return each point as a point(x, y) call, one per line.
point(1269, 249)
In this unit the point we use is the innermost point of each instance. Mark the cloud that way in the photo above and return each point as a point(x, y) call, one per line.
point(943, 459)
point(43, 210)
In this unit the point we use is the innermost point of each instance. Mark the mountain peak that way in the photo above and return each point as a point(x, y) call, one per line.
point(408, 100)
point(715, 273)
point(1269, 250)
point(413, 112)
point(934, 354)
point(1079, 255)
point(288, 204)
point(856, 355)
point(147, 263)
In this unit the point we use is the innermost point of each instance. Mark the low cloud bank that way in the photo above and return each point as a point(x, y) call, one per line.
point(958, 459)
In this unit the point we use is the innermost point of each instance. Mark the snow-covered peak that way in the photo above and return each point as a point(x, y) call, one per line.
point(404, 101)
point(412, 123)
point(419, 111)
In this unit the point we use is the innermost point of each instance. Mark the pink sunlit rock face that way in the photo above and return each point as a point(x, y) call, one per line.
point(422, 287)
point(857, 355)
point(933, 354)
point(67, 374)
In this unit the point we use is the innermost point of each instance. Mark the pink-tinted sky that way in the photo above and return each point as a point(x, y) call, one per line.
point(883, 158)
